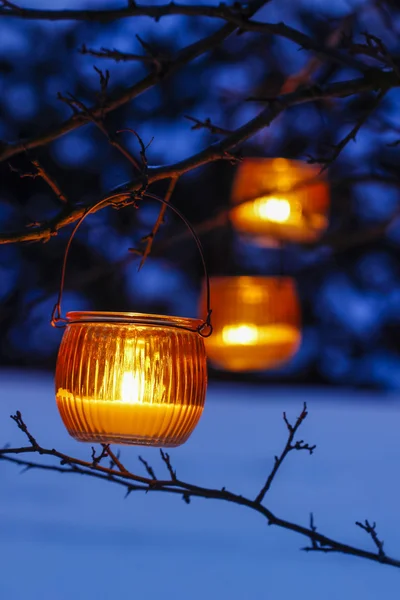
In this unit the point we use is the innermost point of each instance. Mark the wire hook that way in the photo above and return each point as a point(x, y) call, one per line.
point(57, 320)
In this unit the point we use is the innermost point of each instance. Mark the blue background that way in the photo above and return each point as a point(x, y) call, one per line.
point(65, 536)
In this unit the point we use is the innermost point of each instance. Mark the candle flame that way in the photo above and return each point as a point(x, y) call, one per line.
point(273, 209)
point(130, 388)
point(240, 334)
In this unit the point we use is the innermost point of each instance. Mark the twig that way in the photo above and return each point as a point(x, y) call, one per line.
point(148, 239)
point(299, 445)
point(371, 530)
point(97, 458)
point(207, 125)
point(351, 136)
point(304, 75)
point(114, 459)
point(166, 458)
point(98, 120)
point(314, 529)
point(10, 5)
point(17, 418)
point(119, 56)
point(381, 52)
point(41, 172)
point(148, 468)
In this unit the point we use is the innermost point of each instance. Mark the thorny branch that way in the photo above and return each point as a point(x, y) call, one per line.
point(135, 483)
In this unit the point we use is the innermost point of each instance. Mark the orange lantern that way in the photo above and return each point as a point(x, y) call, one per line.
point(256, 322)
point(279, 199)
point(131, 378)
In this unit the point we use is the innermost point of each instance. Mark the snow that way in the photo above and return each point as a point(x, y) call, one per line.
point(64, 536)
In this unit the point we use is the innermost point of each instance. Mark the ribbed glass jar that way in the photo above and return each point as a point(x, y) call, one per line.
point(130, 378)
point(279, 199)
point(256, 322)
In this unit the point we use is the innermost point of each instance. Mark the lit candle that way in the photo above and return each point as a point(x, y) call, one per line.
point(274, 209)
point(279, 211)
point(131, 378)
point(256, 322)
point(247, 334)
point(252, 347)
point(296, 209)
point(132, 419)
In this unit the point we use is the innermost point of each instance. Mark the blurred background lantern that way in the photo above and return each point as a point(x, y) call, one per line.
point(256, 322)
point(279, 199)
point(131, 378)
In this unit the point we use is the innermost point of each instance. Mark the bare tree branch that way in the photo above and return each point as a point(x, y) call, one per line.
point(207, 125)
point(380, 52)
point(114, 101)
point(351, 136)
point(157, 61)
point(299, 445)
point(148, 468)
point(135, 483)
point(40, 171)
point(371, 530)
point(115, 459)
point(97, 458)
point(217, 151)
point(222, 11)
point(237, 14)
point(149, 239)
point(75, 104)
point(166, 458)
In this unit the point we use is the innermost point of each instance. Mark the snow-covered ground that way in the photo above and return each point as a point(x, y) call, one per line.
point(65, 537)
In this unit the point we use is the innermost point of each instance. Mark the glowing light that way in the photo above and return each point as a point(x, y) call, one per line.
point(130, 389)
point(240, 334)
point(122, 378)
point(256, 322)
point(273, 209)
point(279, 199)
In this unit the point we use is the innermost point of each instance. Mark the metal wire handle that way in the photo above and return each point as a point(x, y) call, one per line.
point(204, 329)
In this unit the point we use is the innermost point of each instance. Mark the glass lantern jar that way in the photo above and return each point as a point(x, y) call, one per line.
point(256, 322)
point(279, 199)
point(131, 378)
